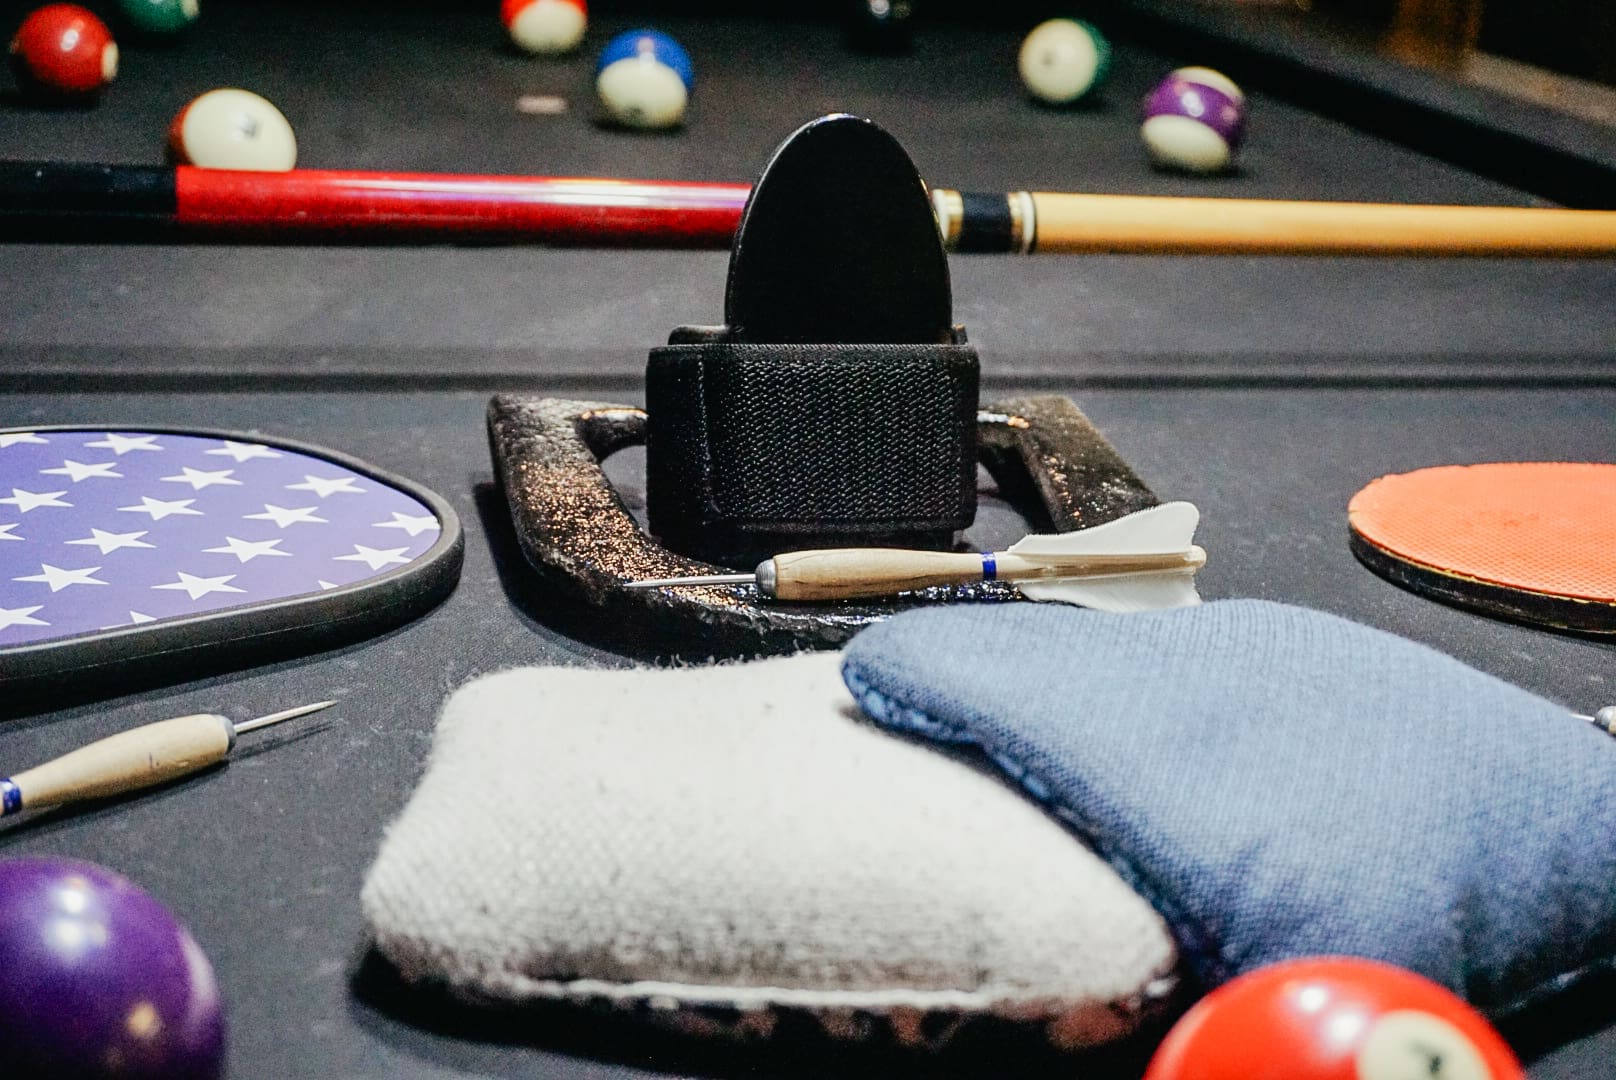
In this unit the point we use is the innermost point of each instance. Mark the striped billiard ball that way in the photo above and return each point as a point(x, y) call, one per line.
point(545, 27)
point(159, 18)
point(233, 129)
point(1063, 61)
point(1194, 121)
point(63, 51)
point(644, 79)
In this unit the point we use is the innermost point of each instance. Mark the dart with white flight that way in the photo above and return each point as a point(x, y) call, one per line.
point(1145, 561)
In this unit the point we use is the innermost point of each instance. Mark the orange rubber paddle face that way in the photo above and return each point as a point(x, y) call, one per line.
point(1534, 541)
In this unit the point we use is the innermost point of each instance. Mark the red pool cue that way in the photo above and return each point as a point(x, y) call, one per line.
point(553, 210)
point(53, 201)
point(365, 207)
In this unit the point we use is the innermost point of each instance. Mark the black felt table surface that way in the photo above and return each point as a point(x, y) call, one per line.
point(264, 860)
point(1265, 390)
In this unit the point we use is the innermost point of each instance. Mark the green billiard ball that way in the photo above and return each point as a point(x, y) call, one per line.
point(158, 16)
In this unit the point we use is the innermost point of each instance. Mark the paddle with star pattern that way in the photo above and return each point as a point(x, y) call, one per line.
point(127, 553)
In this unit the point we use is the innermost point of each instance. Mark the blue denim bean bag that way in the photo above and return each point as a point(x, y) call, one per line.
point(1279, 782)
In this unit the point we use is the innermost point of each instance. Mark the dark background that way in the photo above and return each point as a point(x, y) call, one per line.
point(1265, 390)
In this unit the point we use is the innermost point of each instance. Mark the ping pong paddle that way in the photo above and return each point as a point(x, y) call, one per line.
point(165, 553)
point(1530, 541)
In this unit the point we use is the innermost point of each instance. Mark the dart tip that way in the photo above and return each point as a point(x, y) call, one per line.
point(710, 579)
point(287, 714)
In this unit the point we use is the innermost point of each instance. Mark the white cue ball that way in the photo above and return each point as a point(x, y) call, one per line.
point(1062, 60)
point(233, 129)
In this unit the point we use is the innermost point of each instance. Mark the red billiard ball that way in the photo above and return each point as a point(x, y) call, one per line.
point(62, 50)
point(547, 27)
point(1334, 1018)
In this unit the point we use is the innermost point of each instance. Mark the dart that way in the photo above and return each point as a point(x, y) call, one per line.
point(131, 760)
point(1604, 719)
point(1145, 561)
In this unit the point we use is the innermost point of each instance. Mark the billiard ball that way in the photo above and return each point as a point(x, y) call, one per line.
point(62, 50)
point(1064, 60)
point(100, 979)
point(880, 25)
point(1194, 120)
point(1332, 1018)
point(644, 79)
point(233, 129)
point(159, 18)
point(546, 27)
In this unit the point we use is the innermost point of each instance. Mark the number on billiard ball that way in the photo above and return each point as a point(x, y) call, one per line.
point(644, 79)
point(63, 51)
point(233, 129)
point(1063, 60)
point(1333, 1018)
point(1194, 120)
point(546, 27)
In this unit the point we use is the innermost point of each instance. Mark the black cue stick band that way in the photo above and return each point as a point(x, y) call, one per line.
point(986, 224)
point(998, 223)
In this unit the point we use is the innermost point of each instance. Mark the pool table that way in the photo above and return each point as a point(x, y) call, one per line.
point(1266, 390)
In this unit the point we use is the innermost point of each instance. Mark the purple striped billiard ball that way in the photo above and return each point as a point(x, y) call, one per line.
point(1194, 121)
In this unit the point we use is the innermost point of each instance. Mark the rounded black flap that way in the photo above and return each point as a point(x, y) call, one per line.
point(839, 245)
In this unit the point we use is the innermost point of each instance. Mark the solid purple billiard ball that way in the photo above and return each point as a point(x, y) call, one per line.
point(1194, 120)
point(98, 979)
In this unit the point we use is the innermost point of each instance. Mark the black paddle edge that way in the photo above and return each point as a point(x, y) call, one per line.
point(1542, 610)
point(48, 675)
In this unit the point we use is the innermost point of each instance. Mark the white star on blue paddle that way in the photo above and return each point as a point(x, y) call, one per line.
point(198, 587)
point(21, 616)
point(374, 558)
point(410, 523)
point(5, 533)
point(248, 550)
point(202, 478)
point(77, 471)
point(324, 486)
point(123, 444)
point(283, 517)
point(12, 438)
point(239, 452)
point(59, 579)
point(109, 542)
point(25, 501)
point(162, 508)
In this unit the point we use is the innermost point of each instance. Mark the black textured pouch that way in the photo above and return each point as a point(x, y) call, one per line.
point(837, 406)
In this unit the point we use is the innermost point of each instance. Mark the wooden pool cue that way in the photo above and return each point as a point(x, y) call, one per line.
point(48, 200)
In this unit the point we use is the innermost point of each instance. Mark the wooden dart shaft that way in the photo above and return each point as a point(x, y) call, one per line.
point(131, 760)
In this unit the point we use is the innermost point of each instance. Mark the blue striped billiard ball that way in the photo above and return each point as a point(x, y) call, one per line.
point(644, 79)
